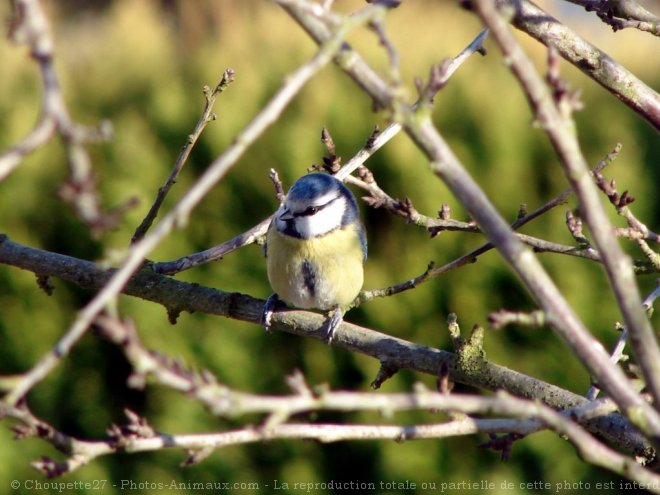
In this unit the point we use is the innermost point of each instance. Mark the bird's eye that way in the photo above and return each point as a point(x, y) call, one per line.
point(310, 211)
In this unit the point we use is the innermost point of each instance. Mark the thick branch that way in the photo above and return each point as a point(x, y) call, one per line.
point(396, 353)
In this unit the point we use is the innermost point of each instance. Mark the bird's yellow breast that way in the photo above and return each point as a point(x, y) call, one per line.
point(323, 272)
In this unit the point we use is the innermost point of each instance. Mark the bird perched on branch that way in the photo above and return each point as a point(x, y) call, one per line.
point(316, 247)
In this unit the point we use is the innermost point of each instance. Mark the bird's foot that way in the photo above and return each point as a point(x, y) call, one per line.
point(267, 316)
point(335, 318)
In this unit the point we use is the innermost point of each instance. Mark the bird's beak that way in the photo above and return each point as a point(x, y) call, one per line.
point(284, 214)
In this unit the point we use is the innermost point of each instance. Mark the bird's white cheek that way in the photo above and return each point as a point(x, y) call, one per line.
point(325, 220)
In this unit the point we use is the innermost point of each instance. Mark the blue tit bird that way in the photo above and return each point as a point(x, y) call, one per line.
point(316, 247)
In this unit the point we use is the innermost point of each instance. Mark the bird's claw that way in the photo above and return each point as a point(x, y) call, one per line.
point(267, 315)
point(335, 318)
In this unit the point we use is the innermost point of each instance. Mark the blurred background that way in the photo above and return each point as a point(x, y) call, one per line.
point(142, 64)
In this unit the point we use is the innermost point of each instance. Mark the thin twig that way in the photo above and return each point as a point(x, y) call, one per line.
point(30, 26)
point(621, 14)
point(207, 116)
point(650, 300)
point(616, 355)
point(502, 318)
point(215, 253)
point(617, 352)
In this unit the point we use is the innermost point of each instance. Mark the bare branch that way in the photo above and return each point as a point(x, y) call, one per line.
point(501, 318)
point(30, 26)
point(393, 353)
point(589, 59)
point(621, 14)
point(138, 436)
point(648, 302)
point(559, 129)
point(207, 116)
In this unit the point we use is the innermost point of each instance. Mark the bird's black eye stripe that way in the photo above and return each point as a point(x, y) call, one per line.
point(312, 210)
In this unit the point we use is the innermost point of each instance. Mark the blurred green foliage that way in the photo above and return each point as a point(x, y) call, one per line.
point(142, 64)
